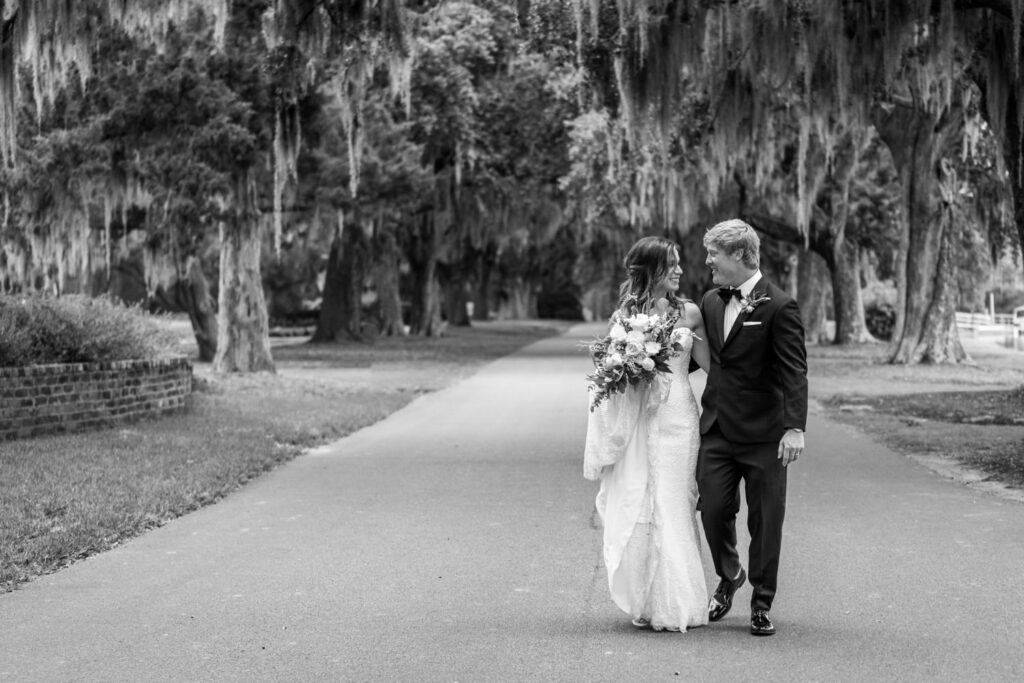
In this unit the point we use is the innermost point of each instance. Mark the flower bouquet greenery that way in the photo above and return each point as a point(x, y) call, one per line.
point(635, 349)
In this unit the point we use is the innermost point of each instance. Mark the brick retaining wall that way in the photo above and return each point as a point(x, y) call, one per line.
point(46, 399)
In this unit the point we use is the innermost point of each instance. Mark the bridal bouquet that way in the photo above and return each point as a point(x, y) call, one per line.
point(634, 351)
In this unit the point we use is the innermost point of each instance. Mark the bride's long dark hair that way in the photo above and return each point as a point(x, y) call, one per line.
point(646, 265)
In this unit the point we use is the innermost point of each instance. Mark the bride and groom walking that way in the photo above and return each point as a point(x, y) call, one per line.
point(659, 459)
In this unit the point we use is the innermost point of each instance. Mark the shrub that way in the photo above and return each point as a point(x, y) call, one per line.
point(37, 330)
point(880, 318)
point(559, 306)
point(1007, 299)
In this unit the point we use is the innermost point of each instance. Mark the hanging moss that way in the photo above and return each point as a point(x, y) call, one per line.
point(360, 36)
point(829, 59)
point(51, 36)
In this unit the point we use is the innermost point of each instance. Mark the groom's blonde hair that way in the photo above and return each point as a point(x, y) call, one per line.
point(736, 235)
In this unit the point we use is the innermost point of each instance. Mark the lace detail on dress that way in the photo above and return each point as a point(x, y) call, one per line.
point(613, 423)
point(647, 502)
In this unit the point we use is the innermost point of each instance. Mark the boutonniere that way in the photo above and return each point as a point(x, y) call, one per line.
point(748, 305)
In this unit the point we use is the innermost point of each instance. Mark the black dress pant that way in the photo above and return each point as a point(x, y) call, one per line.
point(721, 465)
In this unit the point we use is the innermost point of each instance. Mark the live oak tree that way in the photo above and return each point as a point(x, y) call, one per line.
point(485, 111)
point(351, 43)
point(302, 35)
point(52, 36)
point(136, 156)
point(499, 204)
point(450, 180)
point(905, 69)
point(181, 129)
point(177, 141)
point(896, 66)
point(512, 205)
point(362, 228)
point(460, 47)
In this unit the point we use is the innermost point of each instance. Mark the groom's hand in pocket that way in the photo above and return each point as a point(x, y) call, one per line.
point(792, 446)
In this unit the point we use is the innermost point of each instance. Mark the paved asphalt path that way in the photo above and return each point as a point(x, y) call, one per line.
point(456, 541)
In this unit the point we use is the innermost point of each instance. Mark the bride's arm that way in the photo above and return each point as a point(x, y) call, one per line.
point(695, 321)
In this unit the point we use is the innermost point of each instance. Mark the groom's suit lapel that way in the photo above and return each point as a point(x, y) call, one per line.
point(736, 326)
point(760, 289)
point(717, 318)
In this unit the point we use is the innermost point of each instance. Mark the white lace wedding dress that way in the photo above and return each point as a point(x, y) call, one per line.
point(642, 445)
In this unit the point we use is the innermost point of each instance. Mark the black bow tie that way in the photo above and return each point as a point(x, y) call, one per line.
point(729, 292)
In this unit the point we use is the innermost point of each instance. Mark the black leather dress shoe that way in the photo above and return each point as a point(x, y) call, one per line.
point(760, 624)
point(721, 601)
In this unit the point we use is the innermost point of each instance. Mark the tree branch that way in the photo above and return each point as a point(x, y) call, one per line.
point(7, 31)
point(773, 227)
point(1003, 7)
point(786, 232)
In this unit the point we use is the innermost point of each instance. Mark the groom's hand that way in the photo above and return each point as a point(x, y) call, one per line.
point(791, 446)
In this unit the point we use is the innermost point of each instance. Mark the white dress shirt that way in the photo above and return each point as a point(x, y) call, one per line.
point(732, 309)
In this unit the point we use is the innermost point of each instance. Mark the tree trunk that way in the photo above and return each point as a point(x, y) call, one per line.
point(385, 276)
point(942, 337)
point(1003, 112)
point(842, 260)
point(455, 299)
point(426, 303)
point(340, 310)
point(1013, 155)
point(813, 284)
point(847, 299)
point(426, 309)
point(197, 302)
point(791, 282)
point(925, 316)
point(128, 280)
point(482, 291)
point(243, 340)
point(522, 301)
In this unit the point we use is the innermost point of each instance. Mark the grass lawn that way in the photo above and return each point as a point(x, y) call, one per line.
point(969, 415)
point(65, 497)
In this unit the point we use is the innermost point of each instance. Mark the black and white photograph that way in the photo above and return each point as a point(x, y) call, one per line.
point(468, 341)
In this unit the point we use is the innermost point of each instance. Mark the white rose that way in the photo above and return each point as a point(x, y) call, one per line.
point(634, 349)
point(652, 347)
point(647, 364)
point(640, 322)
point(618, 332)
point(616, 360)
point(635, 337)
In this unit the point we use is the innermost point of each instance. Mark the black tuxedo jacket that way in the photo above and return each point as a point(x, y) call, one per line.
point(757, 379)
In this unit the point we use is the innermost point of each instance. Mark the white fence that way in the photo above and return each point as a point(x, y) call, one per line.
point(983, 322)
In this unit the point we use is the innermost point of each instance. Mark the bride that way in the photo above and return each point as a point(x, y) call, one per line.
point(642, 446)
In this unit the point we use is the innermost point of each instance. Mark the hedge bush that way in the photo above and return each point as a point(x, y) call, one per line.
point(880, 319)
point(40, 330)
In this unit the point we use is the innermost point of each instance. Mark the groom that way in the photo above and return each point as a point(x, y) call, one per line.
point(753, 419)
